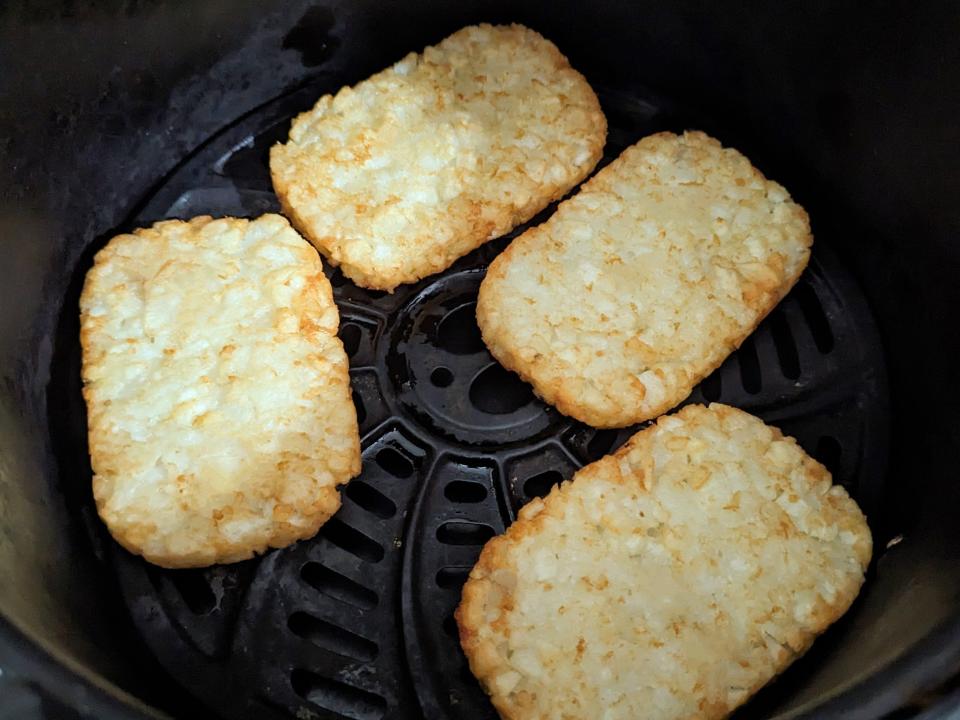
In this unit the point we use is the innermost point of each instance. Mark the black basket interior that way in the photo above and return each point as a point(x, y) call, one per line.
point(358, 622)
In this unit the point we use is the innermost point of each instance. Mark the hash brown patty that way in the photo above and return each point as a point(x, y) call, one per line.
point(643, 282)
point(396, 177)
point(220, 415)
point(671, 579)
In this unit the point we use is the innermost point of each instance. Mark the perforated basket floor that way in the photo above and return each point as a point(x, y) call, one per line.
point(357, 622)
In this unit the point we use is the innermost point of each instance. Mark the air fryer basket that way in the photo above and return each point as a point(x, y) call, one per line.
point(357, 622)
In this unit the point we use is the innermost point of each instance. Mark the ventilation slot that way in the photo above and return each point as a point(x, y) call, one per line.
point(452, 577)
point(395, 463)
point(540, 485)
point(333, 584)
point(828, 452)
point(498, 391)
point(600, 444)
point(712, 387)
point(373, 294)
point(371, 499)
point(815, 317)
point(351, 540)
point(786, 347)
point(361, 410)
point(195, 590)
point(330, 637)
point(337, 697)
point(749, 367)
point(461, 491)
point(464, 533)
point(458, 332)
point(350, 337)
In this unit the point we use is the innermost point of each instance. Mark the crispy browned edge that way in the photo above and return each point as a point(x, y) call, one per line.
point(495, 555)
point(479, 233)
point(224, 552)
point(554, 392)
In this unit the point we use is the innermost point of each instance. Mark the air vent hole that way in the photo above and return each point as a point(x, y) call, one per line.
point(749, 367)
point(815, 317)
point(712, 387)
point(462, 491)
point(352, 540)
point(828, 451)
point(337, 586)
point(601, 444)
point(441, 377)
point(350, 337)
point(458, 332)
point(786, 347)
point(360, 407)
point(540, 485)
point(498, 391)
point(331, 637)
point(337, 697)
point(395, 463)
point(371, 499)
point(452, 578)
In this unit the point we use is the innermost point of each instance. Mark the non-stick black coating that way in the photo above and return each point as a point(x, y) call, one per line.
point(852, 108)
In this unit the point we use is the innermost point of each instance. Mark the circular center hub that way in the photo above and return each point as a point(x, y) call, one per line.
point(447, 380)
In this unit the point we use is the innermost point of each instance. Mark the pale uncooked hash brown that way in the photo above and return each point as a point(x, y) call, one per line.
point(644, 282)
point(671, 579)
point(220, 415)
point(395, 178)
